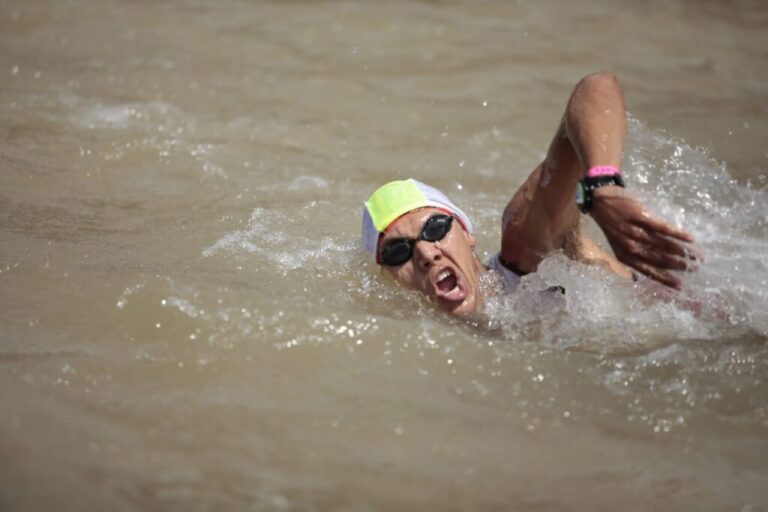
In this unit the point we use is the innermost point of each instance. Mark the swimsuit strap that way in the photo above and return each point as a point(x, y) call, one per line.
point(510, 266)
point(510, 276)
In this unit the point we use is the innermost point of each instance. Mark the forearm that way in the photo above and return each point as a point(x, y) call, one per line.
point(595, 121)
point(591, 133)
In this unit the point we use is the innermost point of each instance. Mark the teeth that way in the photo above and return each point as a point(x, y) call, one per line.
point(442, 275)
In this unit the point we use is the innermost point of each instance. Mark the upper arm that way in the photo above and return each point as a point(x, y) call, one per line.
point(542, 212)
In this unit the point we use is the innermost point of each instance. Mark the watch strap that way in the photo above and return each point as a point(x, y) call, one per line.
point(587, 186)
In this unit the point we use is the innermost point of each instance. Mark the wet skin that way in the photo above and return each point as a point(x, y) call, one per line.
point(446, 271)
point(542, 216)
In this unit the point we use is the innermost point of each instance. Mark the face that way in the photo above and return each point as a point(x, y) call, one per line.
point(446, 271)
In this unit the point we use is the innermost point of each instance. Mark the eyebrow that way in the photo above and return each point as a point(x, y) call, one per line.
point(437, 211)
point(389, 235)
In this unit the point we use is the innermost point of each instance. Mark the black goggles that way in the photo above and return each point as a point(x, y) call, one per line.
point(399, 250)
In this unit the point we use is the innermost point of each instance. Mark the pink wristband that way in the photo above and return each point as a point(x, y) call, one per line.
point(603, 170)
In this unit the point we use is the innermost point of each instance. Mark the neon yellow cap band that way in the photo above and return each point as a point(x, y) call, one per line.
point(393, 200)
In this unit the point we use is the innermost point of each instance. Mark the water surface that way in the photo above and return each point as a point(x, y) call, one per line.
point(187, 320)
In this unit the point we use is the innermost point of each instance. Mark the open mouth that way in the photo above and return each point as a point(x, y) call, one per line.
point(446, 281)
point(448, 286)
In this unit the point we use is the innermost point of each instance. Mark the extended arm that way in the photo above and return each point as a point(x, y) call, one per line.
point(542, 216)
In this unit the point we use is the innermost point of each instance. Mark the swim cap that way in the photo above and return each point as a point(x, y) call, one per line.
point(397, 198)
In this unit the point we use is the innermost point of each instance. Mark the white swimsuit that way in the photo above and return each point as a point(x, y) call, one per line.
point(511, 279)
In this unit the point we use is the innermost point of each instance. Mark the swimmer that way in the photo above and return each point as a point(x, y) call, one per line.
point(425, 242)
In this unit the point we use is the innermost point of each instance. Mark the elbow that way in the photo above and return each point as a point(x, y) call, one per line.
point(600, 88)
point(602, 81)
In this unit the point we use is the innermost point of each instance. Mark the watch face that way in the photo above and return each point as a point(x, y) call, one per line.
point(580, 193)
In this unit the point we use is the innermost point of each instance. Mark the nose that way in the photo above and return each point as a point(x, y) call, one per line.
point(427, 253)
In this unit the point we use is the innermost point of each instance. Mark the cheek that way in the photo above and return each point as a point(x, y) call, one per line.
point(458, 246)
point(403, 274)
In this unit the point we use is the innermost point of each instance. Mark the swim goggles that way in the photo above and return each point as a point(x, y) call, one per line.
point(399, 250)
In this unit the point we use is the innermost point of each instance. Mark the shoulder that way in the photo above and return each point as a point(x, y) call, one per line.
point(510, 278)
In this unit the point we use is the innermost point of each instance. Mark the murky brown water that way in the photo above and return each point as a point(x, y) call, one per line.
point(186, 322)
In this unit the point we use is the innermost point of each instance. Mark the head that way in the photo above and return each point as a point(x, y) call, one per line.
point(446, 270)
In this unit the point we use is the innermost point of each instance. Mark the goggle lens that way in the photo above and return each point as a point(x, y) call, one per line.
point(398, 251)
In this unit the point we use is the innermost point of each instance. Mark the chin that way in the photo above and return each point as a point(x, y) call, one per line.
point(468, 307)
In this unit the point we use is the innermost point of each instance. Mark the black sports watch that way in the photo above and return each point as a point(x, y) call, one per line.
point(586, 186)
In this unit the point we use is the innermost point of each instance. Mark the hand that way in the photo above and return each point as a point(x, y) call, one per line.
point(641, 240)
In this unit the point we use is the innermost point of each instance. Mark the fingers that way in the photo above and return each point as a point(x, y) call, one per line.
point(644, 241)
point(661, 276)
point(662, 245)
point(667, 246)
point(655, 265)
point(654, 255)
point(659, 259)
point(655, 224)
